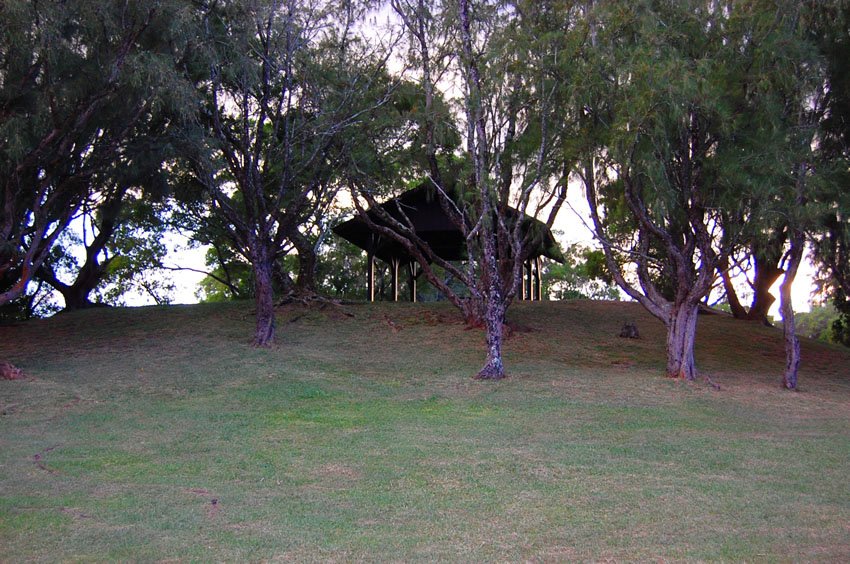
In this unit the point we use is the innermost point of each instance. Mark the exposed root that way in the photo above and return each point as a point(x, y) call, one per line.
point(787, 387)
point(486, 375)
point(311, 299)
point(490, 372)
point(711, 383)
point(38, 459)
point(392, 324)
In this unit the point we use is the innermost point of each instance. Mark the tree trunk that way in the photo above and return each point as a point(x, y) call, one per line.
point(767, 273)
point(738, 310)
point(789, 330)
point(306, 282)
point(263, 296)
point(76, 297)
point(494, 321)
point(681, 335)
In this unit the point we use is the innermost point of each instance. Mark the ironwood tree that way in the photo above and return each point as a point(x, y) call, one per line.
point(689, 102)
point(288, 82)
point(496, 61)
point(76, 78)
point(120, 226)
point(830, 30)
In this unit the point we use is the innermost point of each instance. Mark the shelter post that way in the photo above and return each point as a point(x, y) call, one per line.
point(394, 264)
point(411, 280)
point(539, 278)
point(370, 276)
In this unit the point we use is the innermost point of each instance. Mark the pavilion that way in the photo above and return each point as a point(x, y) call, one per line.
point(431, 223)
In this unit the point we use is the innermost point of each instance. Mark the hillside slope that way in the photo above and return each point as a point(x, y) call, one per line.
point(155, 433)
point(547, 336)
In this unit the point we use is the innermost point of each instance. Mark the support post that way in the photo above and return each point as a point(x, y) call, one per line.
point(411, 280)
point(537, 265)
point(394, 264)
point(370, 277)
point(522, 284)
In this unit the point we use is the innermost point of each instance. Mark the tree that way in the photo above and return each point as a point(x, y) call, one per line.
point(75, 80)
point(758, 262)
point(121, 223)
point(830, 30)
point(688, 103)
point(287, 84)
point(123, 250)
point(500, 56)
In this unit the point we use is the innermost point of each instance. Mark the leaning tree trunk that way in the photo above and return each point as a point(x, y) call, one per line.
point(738, 310)
point(681, 335)
point(789, 329)
point(767, 274)
point(263, 269)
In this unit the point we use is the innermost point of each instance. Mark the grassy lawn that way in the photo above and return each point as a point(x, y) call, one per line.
point(158, 433)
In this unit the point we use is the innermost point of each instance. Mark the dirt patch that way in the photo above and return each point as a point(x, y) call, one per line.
point(75, 513)
point(212, 508)
point(198, 491)
point(335, 471)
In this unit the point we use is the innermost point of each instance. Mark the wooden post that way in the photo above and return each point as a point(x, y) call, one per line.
point(522, 284)
point(411, 280)
point(394, 263)
point(537, 264)
point(370, 277)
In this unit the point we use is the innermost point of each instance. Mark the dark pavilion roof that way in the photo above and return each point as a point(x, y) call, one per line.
point(422, 206)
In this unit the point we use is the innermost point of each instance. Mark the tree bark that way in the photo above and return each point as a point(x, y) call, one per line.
point(262, 263)
point(767, 273)
point(789, 329)
point(494, 322)
point(738, 310)
point(681, 335)
point(307, 261)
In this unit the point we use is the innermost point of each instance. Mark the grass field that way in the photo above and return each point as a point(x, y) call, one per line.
point(159, 434)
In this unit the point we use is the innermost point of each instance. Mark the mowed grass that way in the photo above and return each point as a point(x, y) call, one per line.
point(158, 434)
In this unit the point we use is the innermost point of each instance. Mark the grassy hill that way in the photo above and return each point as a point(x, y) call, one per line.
point(158, 433)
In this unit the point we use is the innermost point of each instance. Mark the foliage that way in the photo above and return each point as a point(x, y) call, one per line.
point(342, 270)
point(831, 238)
point(288, 87)
point(820, 323)
point(76, 80)
point(582, 277)
point(696, 123)
point(841, 325)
